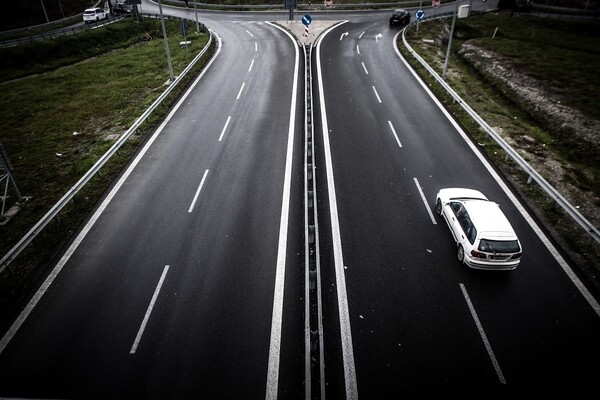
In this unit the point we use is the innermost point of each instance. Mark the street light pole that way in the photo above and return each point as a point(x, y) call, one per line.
point(196, 11)
point(450, 42)
point(45, 13)
point(162, 21)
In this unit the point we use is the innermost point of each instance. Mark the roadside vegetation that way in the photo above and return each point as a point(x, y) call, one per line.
point(533, 80)
point(64, 103)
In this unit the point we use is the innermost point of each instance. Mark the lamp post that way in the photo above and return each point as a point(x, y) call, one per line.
point(45, 13)
point(196, 12)
point(450, 42)
point(162, 22)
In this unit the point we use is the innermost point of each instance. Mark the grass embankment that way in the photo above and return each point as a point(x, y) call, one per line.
point(562, 56)
point(63, 104)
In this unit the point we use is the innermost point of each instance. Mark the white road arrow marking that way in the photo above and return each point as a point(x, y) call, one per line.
point(342, 36)
point(378, 36)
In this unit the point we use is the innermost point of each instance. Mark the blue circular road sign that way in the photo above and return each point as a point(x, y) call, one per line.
point(306, 19)
point(420, 14)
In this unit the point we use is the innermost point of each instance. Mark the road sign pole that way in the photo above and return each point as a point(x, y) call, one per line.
point(418, 20)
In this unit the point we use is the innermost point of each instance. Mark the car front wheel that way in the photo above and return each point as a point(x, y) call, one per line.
point(438, 206)
point(461, 254)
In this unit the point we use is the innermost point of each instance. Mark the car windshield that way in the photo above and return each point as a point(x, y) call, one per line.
point(499, 246)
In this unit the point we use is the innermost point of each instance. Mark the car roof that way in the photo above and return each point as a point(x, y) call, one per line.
point(489, 219)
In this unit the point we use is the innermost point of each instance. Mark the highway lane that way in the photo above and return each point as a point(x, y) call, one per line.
point(417, 317)
point(181, 234)
point(171, 292)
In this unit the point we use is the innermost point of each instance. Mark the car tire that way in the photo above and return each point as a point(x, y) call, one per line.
point(438, 206)
point(461, 254)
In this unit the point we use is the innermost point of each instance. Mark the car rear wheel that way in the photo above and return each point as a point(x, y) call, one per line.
point(461, 254)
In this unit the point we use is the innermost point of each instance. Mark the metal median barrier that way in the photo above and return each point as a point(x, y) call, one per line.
point(533, 174)
point(41, 224)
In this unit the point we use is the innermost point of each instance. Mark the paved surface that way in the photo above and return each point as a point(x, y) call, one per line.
point(298, 29)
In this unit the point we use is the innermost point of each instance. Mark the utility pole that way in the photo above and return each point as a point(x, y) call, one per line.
point(164, 29)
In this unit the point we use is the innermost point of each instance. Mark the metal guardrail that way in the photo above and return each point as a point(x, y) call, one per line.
point(533, 174)
point(39, 37)
point(42, 223)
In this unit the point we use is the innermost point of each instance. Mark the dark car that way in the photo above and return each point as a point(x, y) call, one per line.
point(400, 17)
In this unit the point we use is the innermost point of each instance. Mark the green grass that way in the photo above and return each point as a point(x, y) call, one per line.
point(564, 54)
point(98, 94)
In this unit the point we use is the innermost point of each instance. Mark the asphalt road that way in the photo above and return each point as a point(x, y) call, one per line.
point(418, 318)
point(190, 281)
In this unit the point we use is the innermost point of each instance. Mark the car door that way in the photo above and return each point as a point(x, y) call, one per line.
point(457, 214)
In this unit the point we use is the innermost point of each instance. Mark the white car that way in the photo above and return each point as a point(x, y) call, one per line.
point(484, 237)
point(94, 15)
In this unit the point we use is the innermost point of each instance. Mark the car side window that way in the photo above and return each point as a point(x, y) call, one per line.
point(464, 220)
point(456, 207)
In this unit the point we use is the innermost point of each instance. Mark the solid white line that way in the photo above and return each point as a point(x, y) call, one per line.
point(534, 226)
point(394, 132)
point(425, 201)
point(240, 92)
point(149, 311)
point(198, 192)
point(59, 266)
point(276, 322)
point(224, 128)
point(376, 94)
point(486, 342)
point(344, 313)
point(365, 68)
point(251, 64)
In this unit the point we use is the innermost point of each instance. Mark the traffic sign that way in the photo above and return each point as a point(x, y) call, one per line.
point(420, 14)
point(435, 3)
point(306, 19)
point(328, 3)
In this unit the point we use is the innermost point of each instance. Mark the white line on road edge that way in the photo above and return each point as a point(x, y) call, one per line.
point(483, 335)
point(251, 64)
point(276, 322)
point(59, 266)
point(198, 192)
point(224, 128)
point(394, 132)
point(149, 311)
point(240, 92)
point(377, 94)
point(344, 313)
point(425, 201)
point(365, 68)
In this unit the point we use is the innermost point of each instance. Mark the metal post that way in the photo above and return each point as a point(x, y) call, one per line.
point(45, 13)
point(6, 166)
point(196, 12)
point(450, 42)
point(164, 29)
point(418, 20)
